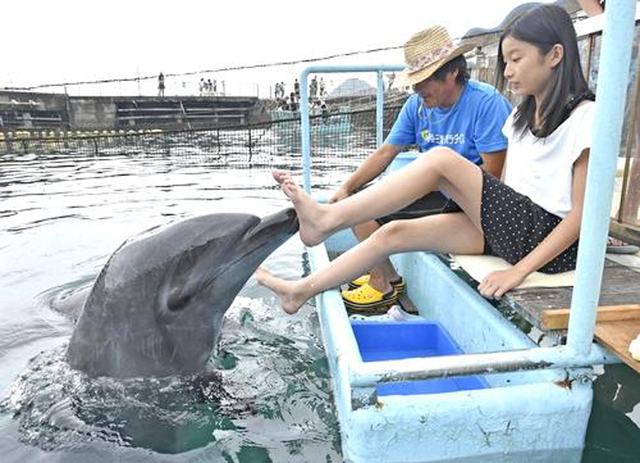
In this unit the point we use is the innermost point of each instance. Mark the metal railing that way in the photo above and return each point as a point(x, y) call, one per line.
point(304, 108)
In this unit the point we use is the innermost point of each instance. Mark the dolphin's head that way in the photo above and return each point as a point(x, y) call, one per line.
point(158, 305)
point(202, 280)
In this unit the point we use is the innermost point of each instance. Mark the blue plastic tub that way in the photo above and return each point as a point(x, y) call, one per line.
point(400, 340)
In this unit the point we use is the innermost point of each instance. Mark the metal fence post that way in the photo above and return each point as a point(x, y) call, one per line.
point(615, 58)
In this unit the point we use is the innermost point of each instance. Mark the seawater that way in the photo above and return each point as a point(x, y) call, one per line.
point(60, 219)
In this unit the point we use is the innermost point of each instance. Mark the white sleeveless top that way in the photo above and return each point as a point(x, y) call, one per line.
point(542, 168)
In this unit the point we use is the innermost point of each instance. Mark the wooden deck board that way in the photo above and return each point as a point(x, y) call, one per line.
point(620, 286)
point(616, 336)
point(558, 319)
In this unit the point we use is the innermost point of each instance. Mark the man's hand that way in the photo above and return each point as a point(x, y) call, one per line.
point(494, 285)
point(339, 195)
point(370, 169)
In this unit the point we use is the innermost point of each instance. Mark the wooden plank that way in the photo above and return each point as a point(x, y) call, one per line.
point(558, 319)
point(616, 336)
point(620, 286)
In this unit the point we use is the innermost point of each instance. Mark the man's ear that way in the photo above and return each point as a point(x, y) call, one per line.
point(556, 54)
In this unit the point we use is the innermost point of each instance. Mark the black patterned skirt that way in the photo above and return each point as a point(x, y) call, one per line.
point(513, 226)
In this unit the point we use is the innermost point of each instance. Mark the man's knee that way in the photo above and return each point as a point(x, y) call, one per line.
point(445, 161)
point(442, 156)
point(365, 230)
point(391, 235)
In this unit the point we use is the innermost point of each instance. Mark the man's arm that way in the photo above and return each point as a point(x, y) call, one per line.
point(373, 166)
point(493, 162)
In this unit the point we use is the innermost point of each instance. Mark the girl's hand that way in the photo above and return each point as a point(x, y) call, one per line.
point(494, 285)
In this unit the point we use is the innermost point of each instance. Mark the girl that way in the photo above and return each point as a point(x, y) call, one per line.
point(532, 220)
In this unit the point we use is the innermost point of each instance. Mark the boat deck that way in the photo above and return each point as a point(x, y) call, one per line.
point(618, 321)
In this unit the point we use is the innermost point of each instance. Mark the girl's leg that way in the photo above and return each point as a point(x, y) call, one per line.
point(441, 233)
point(440, 169)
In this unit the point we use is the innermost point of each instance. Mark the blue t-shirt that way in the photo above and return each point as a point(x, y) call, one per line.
point(473, 125)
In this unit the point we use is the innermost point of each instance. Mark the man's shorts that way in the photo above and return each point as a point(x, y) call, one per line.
point(430, 204)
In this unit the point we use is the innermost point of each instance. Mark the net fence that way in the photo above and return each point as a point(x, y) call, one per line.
point(339, 141)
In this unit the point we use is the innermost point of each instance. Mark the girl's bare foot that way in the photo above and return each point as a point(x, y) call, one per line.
point(290, 300)
point(280, 175)
point(314, 227)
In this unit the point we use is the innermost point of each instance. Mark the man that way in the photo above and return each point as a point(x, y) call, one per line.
point(161, 85)
point(447, 109)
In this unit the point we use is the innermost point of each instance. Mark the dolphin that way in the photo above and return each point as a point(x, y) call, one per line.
point(157, 306)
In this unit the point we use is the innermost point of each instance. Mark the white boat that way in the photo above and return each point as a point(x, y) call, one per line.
point(464, 384)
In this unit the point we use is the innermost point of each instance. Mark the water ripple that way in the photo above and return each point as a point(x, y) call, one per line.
point(62, 216)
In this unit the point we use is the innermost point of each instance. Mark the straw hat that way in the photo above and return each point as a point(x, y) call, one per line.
point(426, 52)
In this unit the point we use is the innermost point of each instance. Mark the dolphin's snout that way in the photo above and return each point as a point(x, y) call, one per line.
point(291, 219)
point(284, 221)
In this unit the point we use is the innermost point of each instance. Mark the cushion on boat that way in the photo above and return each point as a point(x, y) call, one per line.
point(480, 266)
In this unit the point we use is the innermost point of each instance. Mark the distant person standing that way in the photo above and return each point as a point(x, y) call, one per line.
point(161, 84)
point(296, 89)
point(203, 86)
point(313, 89)
point(323, 90)
point(215, 87)
point(223, 92)
point(592, 7)
point(324, 111)
point(392, 78)
point(293, 106)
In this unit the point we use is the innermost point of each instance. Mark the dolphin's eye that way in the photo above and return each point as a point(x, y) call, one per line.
point(177, 300)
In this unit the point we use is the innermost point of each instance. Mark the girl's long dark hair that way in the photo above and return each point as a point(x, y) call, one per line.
point(543, 27)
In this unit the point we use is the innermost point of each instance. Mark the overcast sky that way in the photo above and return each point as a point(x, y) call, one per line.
point(74, 40)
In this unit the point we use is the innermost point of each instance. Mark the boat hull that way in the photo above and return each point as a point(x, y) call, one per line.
point(523, 416)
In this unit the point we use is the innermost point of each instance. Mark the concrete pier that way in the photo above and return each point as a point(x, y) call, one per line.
point(28, 110)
